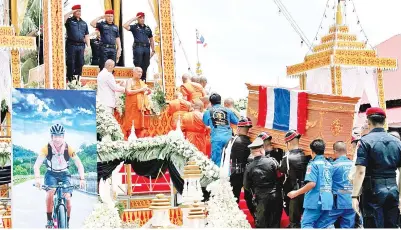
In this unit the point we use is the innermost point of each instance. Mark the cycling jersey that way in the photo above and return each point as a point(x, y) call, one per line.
point(58, 161)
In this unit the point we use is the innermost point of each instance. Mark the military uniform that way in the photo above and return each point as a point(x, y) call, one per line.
point(219, 119)
point(108, 35)
point(261, 177)
point(95, 47)
point(76, 30)
point(141, 47)
point(380, 153)
point(342, 191)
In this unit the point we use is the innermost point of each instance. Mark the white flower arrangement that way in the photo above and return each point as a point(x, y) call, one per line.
point(5, 153)
point(103, 216)
point(107, 125)
point(223, 203)
point(120, 103)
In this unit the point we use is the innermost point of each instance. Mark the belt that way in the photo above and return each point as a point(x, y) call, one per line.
point(342, 191)
point(108, 46)
point(75, 43)
point(141, 44)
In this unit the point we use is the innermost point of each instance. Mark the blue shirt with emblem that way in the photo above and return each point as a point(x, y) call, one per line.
point(108, 33)
point(76, 30)
point(141, 33)
point(342, 186)
point(219, 118)
point(320, 171)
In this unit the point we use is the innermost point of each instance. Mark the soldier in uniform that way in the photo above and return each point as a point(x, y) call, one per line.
point(342, 189)
point(261, 178)
point(77, 37)
point(239, 155)
point(218, 119)
point(378, 158)
point(293, 166)
point(270, 150)
point(95, 46)
point(143, 42)
point(110, 47)
point(318, 184)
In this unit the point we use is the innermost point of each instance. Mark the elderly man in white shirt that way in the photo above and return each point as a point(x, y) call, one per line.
point(107, 86)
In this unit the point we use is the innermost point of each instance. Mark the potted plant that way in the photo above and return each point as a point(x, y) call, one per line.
point(4, 110)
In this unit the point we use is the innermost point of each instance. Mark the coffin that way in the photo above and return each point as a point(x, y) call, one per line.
point(329, 118)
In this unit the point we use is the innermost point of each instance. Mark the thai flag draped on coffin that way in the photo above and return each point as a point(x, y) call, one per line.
point(282, 109)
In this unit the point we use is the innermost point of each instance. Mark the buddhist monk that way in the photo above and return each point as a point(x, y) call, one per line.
point(191, 91)
point(195, 79)
point(229, 104)
point(136, 105)
point(177, 107)
point(194, 129)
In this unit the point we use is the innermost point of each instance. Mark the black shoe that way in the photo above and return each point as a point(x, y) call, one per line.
point(50, 224)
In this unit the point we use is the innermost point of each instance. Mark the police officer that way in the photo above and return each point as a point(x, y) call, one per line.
point(342, 189)
point(261, 177)
point(143, 41)
point(293, 166)
point(218, 119)
point(318, 183)
point(269, 149)
point(378, 157)
point(95, 47)
point(239, 155)
point(109, 37)
point(77, 37)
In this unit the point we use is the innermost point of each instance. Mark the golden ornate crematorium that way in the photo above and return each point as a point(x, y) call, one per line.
point(340, 50)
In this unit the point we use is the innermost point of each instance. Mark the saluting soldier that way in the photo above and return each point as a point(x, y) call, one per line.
point(378, 158)
point(77, 37)
point(143, 42)
point(110, 47)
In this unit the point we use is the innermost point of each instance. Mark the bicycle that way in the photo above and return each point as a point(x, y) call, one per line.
point(59, 204)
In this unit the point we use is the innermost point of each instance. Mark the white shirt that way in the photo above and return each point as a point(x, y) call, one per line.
point(106, 88)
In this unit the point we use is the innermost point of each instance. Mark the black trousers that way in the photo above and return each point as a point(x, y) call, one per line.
point(269, 208)
point(296, 210)
point(142, 59)
point(380, 203)
point(75, 60)
point(237, 181)
point(105, 54)
point(248, 198)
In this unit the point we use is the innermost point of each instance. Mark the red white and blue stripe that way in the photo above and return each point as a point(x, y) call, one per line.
point(200, 39)
point(282, 109)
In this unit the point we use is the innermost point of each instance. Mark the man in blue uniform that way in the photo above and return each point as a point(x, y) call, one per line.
point(95, 47)
point(219, 119)
point(378, 157)
point(143, 41)
point(318, 198)
point(342, 190)
point(77, 37)
point(110, 47)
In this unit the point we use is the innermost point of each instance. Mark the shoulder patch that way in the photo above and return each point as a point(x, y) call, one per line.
point(309, 169)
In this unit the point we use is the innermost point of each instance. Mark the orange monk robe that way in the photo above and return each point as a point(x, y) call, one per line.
point(176, 108)
point(195, 130)
point(136, 106)
point(192, 91)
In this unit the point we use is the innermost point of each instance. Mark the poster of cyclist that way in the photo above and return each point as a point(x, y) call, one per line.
point(54, 160)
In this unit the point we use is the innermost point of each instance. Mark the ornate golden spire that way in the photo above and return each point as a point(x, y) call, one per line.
point(339, 14)
point(198, 69)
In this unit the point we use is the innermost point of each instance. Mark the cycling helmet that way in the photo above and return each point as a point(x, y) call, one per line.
point(57, 129)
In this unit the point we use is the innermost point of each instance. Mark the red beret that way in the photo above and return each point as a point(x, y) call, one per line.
point(375, 111)
point(76, 7)
point(140, 14)
point(109, 12)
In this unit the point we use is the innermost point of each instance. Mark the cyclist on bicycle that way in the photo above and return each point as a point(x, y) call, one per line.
point(57, 155)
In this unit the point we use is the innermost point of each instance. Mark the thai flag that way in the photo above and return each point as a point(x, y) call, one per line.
point(201, 40)
point(282, 109)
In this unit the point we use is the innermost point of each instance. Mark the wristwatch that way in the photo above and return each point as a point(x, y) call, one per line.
point(355, 197)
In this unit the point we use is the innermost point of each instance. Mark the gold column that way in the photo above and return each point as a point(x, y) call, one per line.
point(339, 15)
point(333, 80)
point(167, 49)
point(129, 182)
point(380, 89)
point(157, 35)
point(107, 5)
point(46, 36)
point(339, 85)
point(117, 12)
point(15, 55)
point(58, 52)
point(302, 81)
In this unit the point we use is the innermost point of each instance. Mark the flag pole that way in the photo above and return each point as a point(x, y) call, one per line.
point(197, 45)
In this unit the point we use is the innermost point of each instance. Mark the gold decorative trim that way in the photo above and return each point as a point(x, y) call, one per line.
point(303, 67)
point(58, 52)
point(117, 11)
point(302, 81)
point(386, 63)
point(333, 80)
point(167, 49)
point(46, 36)
point(336, 127)
point(6, 31)
point(18, 42)
point(340, 36)
point(339, 85)
point(119, 72)
point(344, 44)
point(341, 29)
point(16, 68)
point(341, 52)
point(380, 89)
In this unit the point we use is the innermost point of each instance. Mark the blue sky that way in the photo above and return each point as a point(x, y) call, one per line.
point(36, 110)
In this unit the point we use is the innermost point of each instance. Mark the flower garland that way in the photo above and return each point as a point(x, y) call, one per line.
point(120, 103)
point(223, 203)
point(106, 124)
point(103, 216)
point(5, 153)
